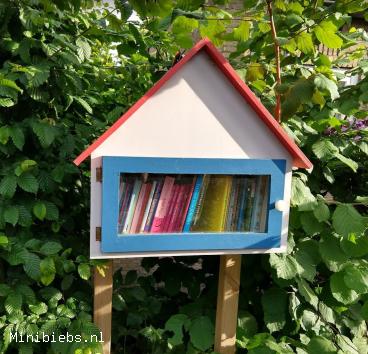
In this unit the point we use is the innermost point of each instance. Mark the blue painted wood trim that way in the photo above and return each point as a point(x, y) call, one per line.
point(113, 166)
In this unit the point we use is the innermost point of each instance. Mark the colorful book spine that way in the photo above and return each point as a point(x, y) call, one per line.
point(242, 203)
point(265, 206)
point(202, 193)
point(140, 208)
point(187, 200)
point(148, 206)
point(177, 209)
point(256, 204)
point(172, 202)
point(162, 207)
point(236, 204)
point(231, 205)
point(124, 206)
point(193, 204)
point(250, 199)
point(132, 205)
point(156, 198)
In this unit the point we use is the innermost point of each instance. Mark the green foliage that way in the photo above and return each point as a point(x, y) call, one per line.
point(69, 69)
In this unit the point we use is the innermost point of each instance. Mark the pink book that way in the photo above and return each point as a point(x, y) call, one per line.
point(187, 199)
point(177, 209)
point(173, 197)
point(138, 210)
point(163, 205)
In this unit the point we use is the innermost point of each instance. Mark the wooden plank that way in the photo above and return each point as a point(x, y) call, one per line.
point(227, 304)
point(102, 305)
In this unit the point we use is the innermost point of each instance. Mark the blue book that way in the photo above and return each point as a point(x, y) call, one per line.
point(256, 204)
point(242, 203)
point(193, 204)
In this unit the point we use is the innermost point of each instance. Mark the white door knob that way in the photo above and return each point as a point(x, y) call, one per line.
point(280, 205)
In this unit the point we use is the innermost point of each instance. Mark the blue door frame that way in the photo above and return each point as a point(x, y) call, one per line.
point(112, 167)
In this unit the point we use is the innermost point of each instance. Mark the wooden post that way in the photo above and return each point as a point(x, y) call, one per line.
point(102, 305)
point(227, 304)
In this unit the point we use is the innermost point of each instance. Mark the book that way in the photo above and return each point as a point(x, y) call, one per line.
point(140, 208)
point(243, 193)
point(154, 204)
point(125, 203)
point(193, 204)
point(264, 207)
point(187, 199)
point(162, 207)
point(148, 206)
point(213, 215)
point(178, 210)
point(230, 209)
point(249, 209)
point(198, 210)
point(256, 204)
point(235, 210)
point(172, 202)
point(133, 202)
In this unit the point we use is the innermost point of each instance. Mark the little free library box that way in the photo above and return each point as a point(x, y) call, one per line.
point(197, 166)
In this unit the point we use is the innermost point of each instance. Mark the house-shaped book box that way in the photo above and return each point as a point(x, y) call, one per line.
point(196, 166)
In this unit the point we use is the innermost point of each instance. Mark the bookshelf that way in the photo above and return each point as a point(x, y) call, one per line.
point(224, 177)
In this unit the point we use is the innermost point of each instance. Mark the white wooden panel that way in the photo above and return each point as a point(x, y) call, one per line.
point(197, 113)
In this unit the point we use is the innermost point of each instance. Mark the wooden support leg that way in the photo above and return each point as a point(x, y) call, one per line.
point(102, 305)
point(227, 304)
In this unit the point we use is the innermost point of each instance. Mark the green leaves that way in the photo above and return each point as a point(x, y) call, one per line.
point(45, 133)
point(347, 220)
point(84, 271)
point(325, 84)
point(324, 149)
point(274, 303)
point(28, 182)
point(39, 210)
point(11, 215)
point(8, 185)
point(48, 271)
point(304, 43)
point(326, 34)
point(176, 324)
point(340, 291)
point(201, 333)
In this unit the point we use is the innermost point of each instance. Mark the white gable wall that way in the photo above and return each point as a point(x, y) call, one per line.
point(197, 113)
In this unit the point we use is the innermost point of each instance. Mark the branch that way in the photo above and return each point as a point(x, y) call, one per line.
point(277, 58)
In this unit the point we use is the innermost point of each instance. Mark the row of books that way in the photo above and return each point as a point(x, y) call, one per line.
point(192, 203)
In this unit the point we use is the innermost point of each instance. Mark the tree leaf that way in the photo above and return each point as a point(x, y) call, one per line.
point(39, 210)
point(84, 104)
point(84, 49)
point(331, 253)
point(11, 215)
point(324, 149)
point(45, 133)
point(13, 302)
point(356, 277)
point(285, 265)
point(31, 266)
point(321, 211)
point(340, 291)
point(241, 33)
point(176, 324)
point(84, 271)
point(48, 271)
point(321, 345)
point(201, 333)
point(325, 84)
point(274, 302)
point(8, 186)
point(17, 136)
point(304, 43)
point(326, 34)
point(349, 162)
point(301, 195)
point(28, 182)
point(51, 248)
point(346, 220)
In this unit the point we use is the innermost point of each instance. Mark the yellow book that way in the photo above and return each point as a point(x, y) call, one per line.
point(215, 205)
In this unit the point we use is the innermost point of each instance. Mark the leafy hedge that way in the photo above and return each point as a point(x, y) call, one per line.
point(69, 69)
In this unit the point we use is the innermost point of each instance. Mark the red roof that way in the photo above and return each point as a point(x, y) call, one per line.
point(299, 159)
